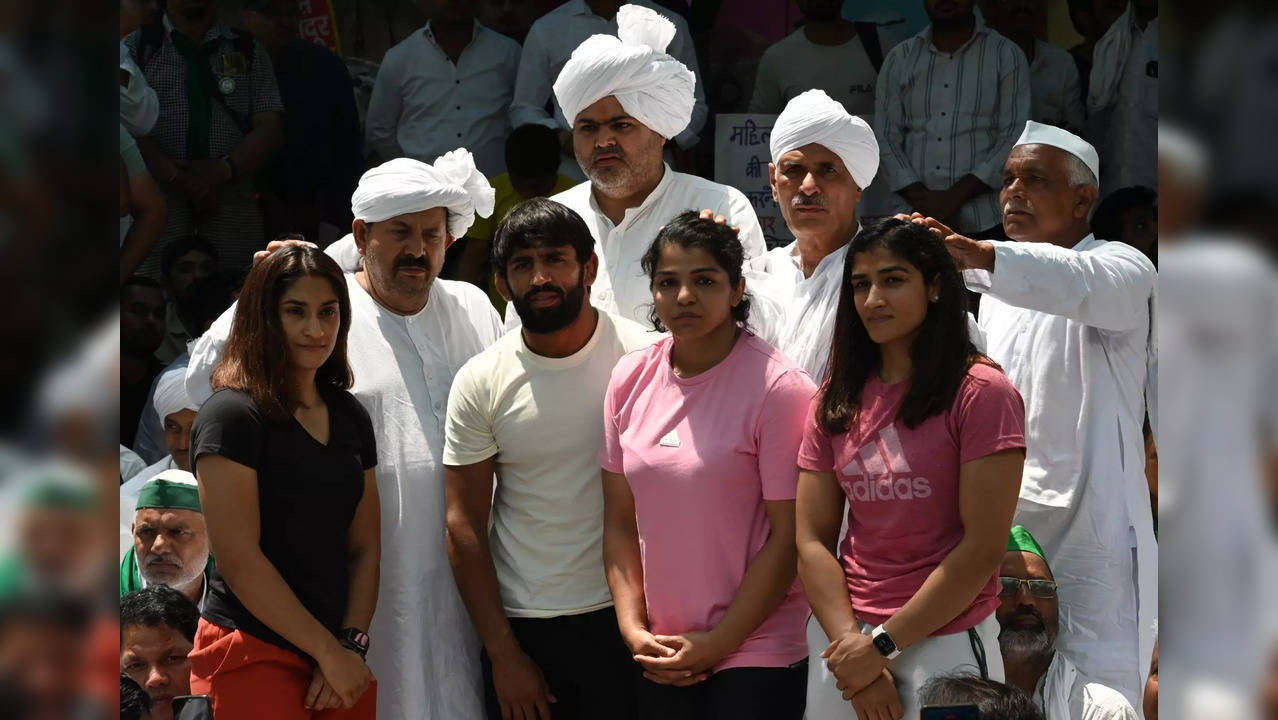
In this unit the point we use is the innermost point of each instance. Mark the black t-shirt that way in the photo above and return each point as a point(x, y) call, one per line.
point(306, 492)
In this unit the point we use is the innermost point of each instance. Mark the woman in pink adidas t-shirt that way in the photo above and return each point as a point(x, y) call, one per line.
point(700, 435)
point(924, 438)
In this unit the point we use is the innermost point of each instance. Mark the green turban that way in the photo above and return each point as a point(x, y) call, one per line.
point(1020, 540)
point(170, 490)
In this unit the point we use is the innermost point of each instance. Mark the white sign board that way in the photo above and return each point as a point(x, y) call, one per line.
point(741, 160)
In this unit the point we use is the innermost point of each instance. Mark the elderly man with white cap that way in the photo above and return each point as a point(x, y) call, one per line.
point(1067, 315)
point(177, 413)
point(822, 160)
point(625, 98)
point(170, 540)
point(410, 334)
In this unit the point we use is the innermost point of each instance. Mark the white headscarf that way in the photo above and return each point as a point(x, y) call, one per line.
point(813, 117)
point(654, 88)
point(403, 185)
point(170, 393)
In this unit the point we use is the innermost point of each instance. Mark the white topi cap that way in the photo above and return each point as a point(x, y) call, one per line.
point(1040, 134)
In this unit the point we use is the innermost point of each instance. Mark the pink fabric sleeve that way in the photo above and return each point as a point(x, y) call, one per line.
point(610, 448)
point(779, 433)
point(991, 414)
point(816, 452)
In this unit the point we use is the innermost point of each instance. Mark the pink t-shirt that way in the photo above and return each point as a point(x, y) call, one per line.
point(701, 456)
point(903, 487)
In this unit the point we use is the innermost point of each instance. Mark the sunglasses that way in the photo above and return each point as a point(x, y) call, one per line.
point(1037, 588)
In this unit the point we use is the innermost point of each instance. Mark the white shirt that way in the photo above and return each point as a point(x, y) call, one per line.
point(939, 117)
point(1133, 128)
point(425, 651)
point(1071, 329)
point(139, 105)
point(129, 492)
point(621, 287)
point(423, 105)
point(1064, 694)
point(550, 43)
point(541, 418)
point(795, 64)
point(1055, 97)
point(130, 464)
point(809, 304)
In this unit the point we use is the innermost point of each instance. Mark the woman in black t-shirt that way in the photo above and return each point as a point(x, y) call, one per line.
point(284, 456)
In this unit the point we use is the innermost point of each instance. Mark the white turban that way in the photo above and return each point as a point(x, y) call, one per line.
point(170, 393)
point(812, 117)
point(403, 185)
point(651, 86)
point(1040, 134)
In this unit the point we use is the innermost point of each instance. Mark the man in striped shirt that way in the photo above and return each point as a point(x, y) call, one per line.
point(949, 105)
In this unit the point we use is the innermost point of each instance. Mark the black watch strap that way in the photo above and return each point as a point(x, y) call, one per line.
point(354, 640)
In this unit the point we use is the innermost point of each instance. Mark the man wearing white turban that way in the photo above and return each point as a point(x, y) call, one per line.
point(625, 97)
point(822, 159)
point(410, 334)
point(177, 412)
point(1068, 317)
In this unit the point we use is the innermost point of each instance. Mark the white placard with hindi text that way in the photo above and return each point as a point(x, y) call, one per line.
point(741, 160)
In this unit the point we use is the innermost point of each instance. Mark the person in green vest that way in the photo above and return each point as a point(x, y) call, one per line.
point(170, 543)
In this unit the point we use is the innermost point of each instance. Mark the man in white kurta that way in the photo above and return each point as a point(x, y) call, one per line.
point(626, 98)
point(424, 650)
point(822, 157)
point(1067, 316)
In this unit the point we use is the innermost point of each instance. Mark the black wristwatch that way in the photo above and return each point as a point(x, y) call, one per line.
point(354, 640)
point(884, 643)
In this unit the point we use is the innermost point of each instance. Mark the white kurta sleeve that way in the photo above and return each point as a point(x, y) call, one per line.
point(206, 353)
point(1107, 287)
point(381, 123)
point(741, 214)
point(533, 84)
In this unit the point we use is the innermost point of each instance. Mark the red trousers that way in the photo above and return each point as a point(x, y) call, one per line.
point(248, 678)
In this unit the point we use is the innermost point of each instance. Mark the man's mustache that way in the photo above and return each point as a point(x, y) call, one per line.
point(1030, 612)
point(538, 289)
point(801, 200)
point(614, 150)
point(166, 558)
point(413, 262)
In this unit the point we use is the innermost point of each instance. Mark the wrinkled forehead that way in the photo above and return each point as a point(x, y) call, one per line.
point(168, 518)
point(1047, 158)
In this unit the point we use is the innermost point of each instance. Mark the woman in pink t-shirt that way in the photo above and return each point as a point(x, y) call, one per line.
point(923, 436)
point(700, 435)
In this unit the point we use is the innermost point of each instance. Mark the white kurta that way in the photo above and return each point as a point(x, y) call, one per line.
point(1071, 328)
point(806, 328)
point(1064, 694)
point(425, 651)
point(621, 287)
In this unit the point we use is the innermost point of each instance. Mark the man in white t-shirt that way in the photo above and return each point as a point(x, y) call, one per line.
point(528, 558)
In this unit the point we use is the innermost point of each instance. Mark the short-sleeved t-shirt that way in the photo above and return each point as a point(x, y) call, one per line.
point(701, 456)
point(307, 495)
point(540, 417)
point(902, 486)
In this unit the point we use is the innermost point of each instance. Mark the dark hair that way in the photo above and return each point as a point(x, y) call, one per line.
point(256, 358)
point(207, 298)
point(532, 151)
point(689, 231)
point(178, 247)
point(539, 223)
point(1107, 221)
point(133, 699)
point(140, 281)
point(993, 700)
point(941, 354)
point(157, 605)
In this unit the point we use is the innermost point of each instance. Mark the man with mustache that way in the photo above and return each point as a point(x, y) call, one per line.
point(410, 333)
point(626, 98)
point(170, 542)
point(157, 630)
point(528, 557)
point(822, 159)
point(1068, 317)
point(1028, 617)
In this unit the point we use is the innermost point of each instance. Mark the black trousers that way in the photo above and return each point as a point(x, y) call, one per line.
point(591, 672)
point(747, 693)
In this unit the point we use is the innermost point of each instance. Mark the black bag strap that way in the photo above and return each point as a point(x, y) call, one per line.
point(869, 34)
point(978, 649)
